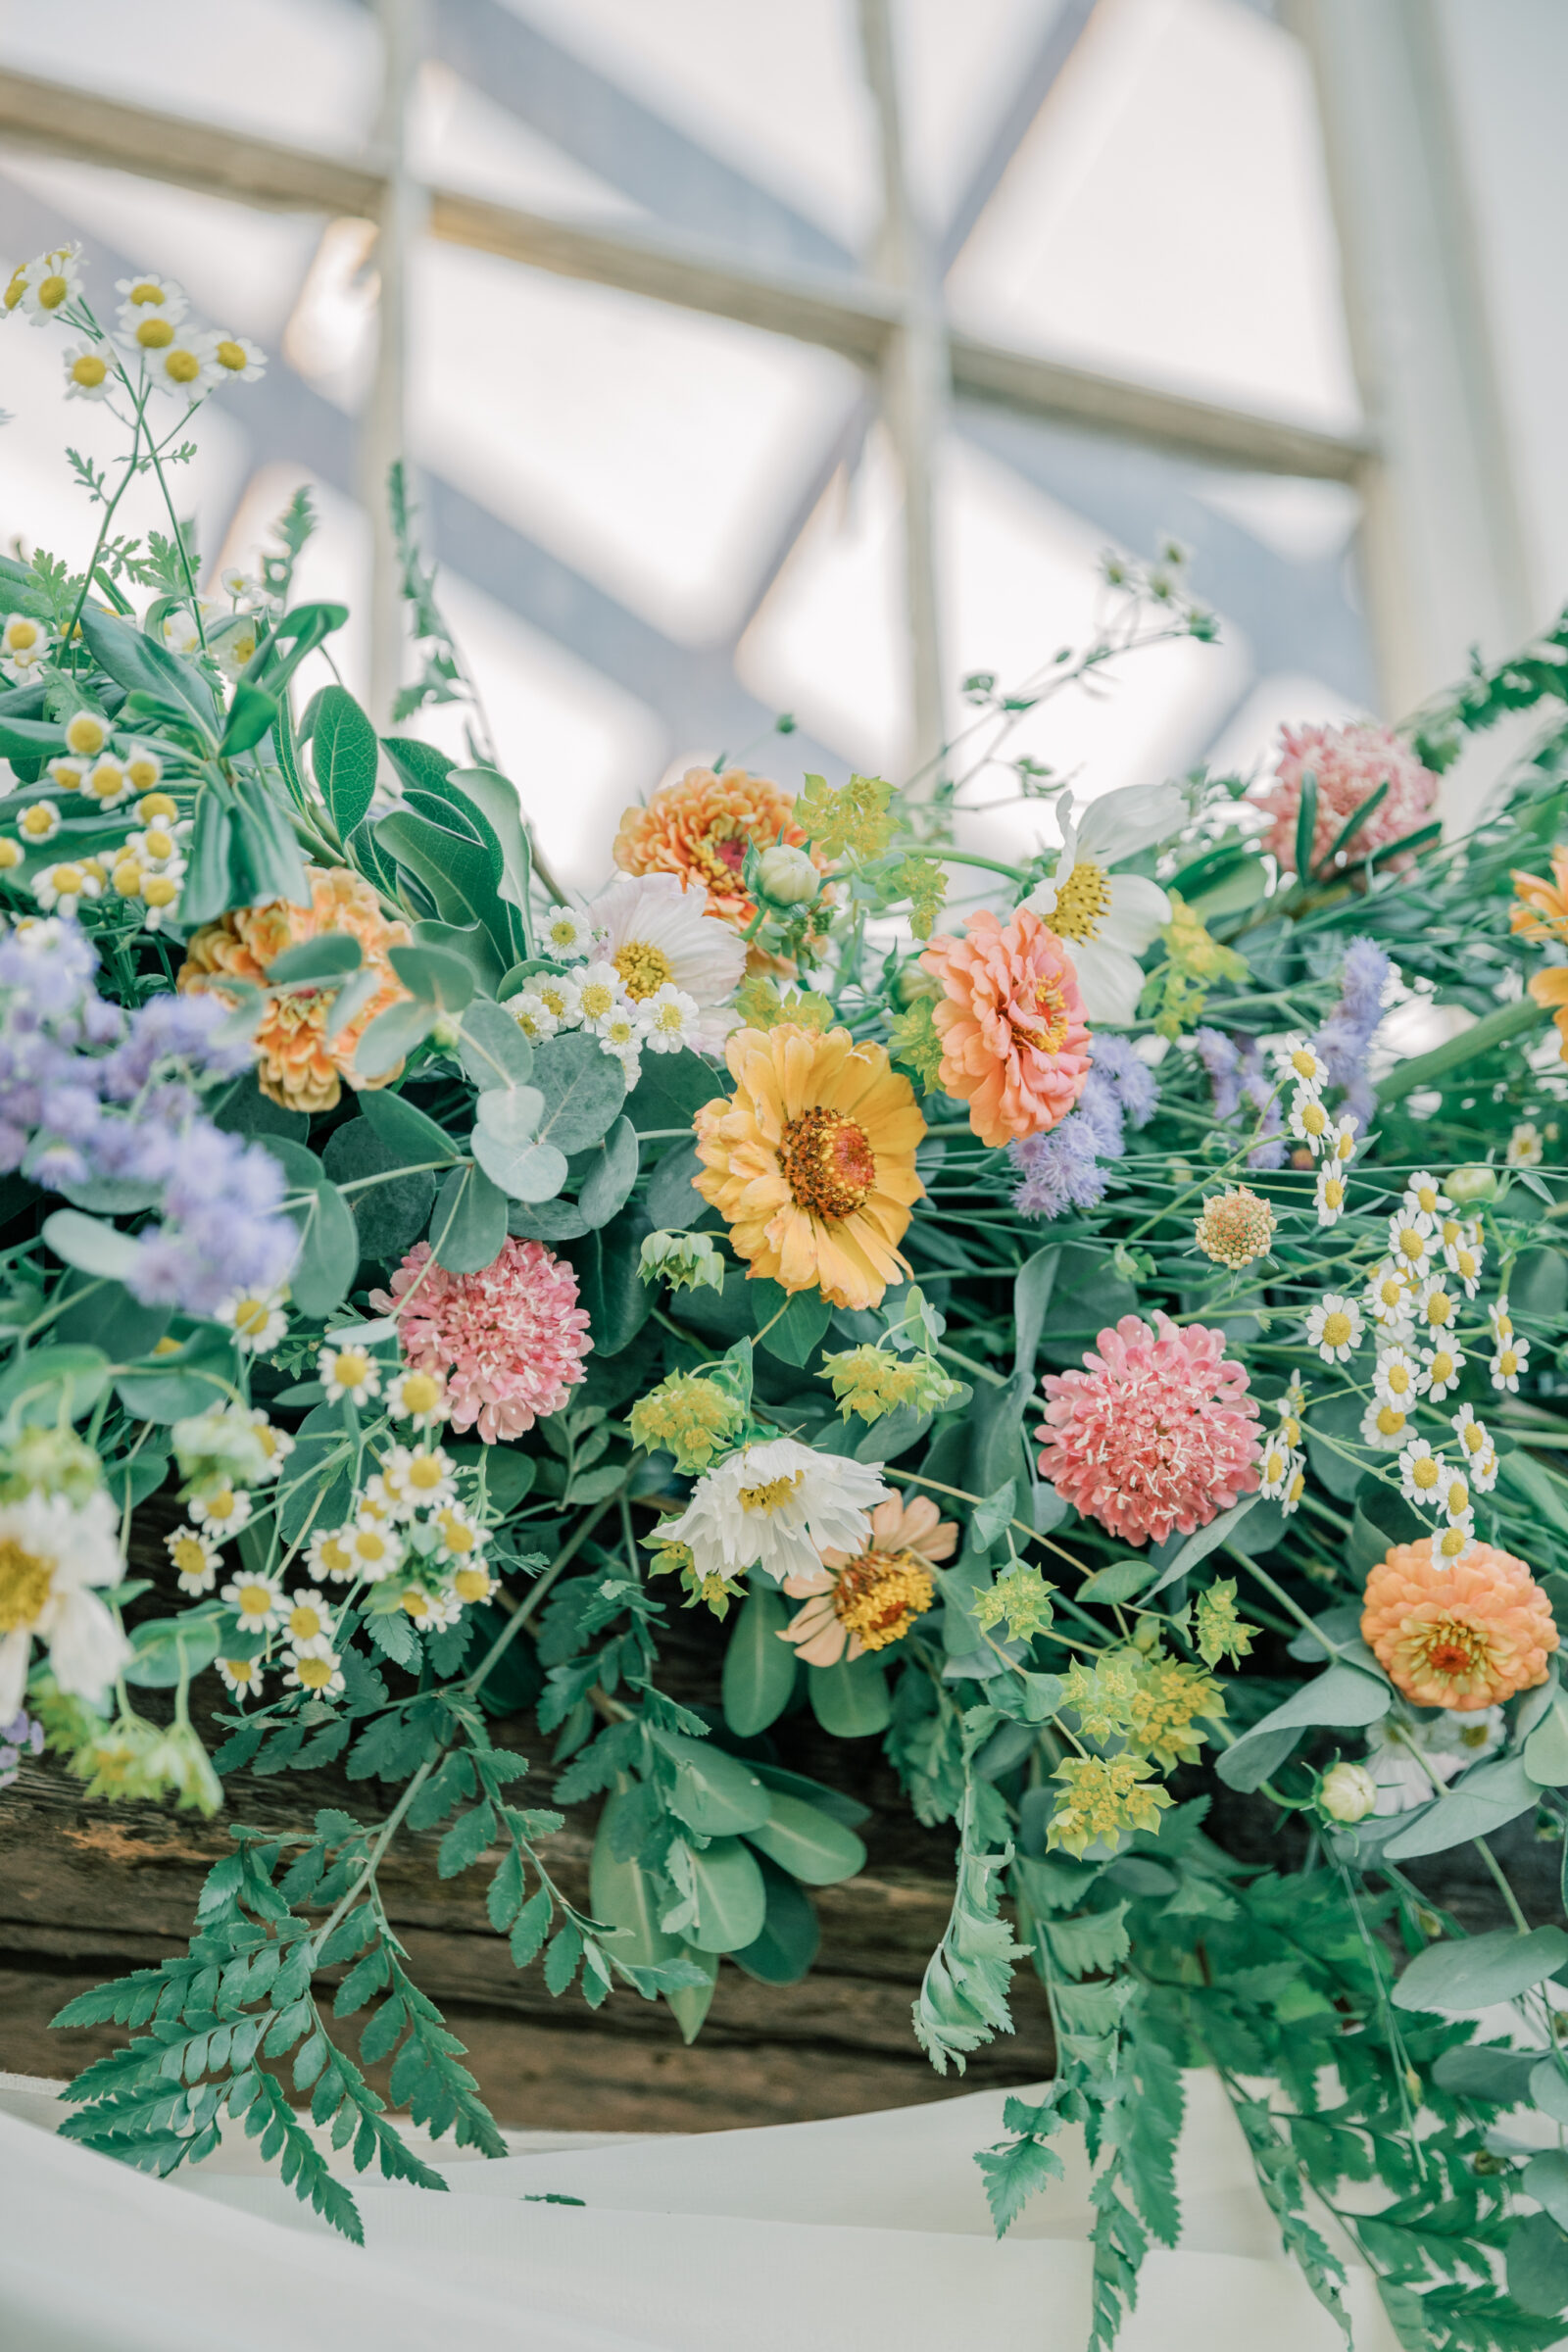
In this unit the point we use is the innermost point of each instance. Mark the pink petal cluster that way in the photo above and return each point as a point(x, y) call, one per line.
point(1157, 1433)
point(1015, 1039)
point(510, 1339)
point(1349, 765)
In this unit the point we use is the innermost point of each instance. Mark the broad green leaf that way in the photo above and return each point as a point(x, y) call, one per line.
point(1486, 1799)
point(417, 764)
point(92, 1247)
point(621, 1895)
point(458, 875)
point(492, 1047)
point(1342, 1696)
point(546, 1221)
point(715, 1794)
point(832, 1801)
point(1032, 1287)
point(1476, 1973)
point(497, 801)
point(619, 1301)
point(344, 754)
point(170, 1649)
point(137, 662)
point(1546, 1751)
point(1120, 1581)
point(38, 1385)
point(1220, 1530)
point(584, 1090)
point(672, 1088)
point(469, 1222)
point(790, 1936)
point(391, 1203)
point(1477, 2071)
point(331, 955)
point(472, 942)
point(1537, 2266)
point(788, 1324)
point(392, 1037)
point(612, 1172)
point(435, 976)
point(1546, 2181)
point(759, 1667)
point(812, 1847)
point(503, 1143)
point(405, 1129)
point(731, 1900)
point(989, 1519)
point(852, 1701)
point(250, 715)
point(191, 1379)
point(317, 1479)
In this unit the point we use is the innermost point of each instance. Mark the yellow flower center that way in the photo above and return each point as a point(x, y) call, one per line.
point(336, 1559)
point(1397, 1375)
point(255, 1601)
point(9, 855)
point(351, 1367)
point(68, 880)
point(145, 290)
point(470, 1583)
point(304, 1624)
point(314, 1673)
point(1451, 1542)
point(643, 969)
point(424, 1470)
point(879, 1596)
point(189, 1556)
point(1426, 1200)
point(456, 1533)
point(1451, 1648)
point(22, 635)
point(415, 1602)
point(1412, 1245)
point(1441, 1368)
point(1303, 1062)
point(1336, 1328)
point(182, 367)
point(669, 1017)
point(827, 1163)
point(1390, 1291)
point(1082, 902)
point(553, 999)
point(139, 773)
point(159, 890)
point(1314, 1118)
point(1425, 1474)
point(370, 1544)
point(1440, 1309)
point(1467, 1268)
point(86, 734)
point(88, 371)
point(37, 821)
point(420, 1393)
point(1333, 1193)
point(127, 878)
point(1391, 1421)
point(231, 355)
point(154, 334)
point(773, 1495)
point(597, 999)
point(157, 804)
point(222, 1505)
point(242, 1670)
point(251, 1315)
point(1457, 1498)
point(25, 1582)
point(52, 292)
point(17, 288)
point(1472, 1436)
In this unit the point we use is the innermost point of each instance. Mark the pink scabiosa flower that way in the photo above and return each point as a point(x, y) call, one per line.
point(1349, 765)
point(1157, 1433)
point(510, 1339)
point(1014, 1041)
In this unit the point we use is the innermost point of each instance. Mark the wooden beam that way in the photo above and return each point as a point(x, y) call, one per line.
point(851, 315)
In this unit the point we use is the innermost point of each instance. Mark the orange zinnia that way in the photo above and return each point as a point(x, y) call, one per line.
point(1543, 914)
point(811, 1163)
point(698, 829)
point(1014, 1041)
point(299, 1065)
point(1464, 1636)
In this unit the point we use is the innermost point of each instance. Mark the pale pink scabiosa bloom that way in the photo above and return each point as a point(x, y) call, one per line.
point(863, 1601)
point(1349, 765)
point(510, 1339)
point(1157, 1433)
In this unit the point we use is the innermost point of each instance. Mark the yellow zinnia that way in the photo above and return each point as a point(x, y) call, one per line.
point(811, 1163)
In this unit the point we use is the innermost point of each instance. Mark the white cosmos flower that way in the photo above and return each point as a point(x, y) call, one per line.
point(1106, 920)
point(657, 934)
point(780, 1506)
point(1408, 1754)
point(52, 1555)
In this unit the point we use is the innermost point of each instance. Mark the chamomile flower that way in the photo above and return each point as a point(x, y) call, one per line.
point(1452, 1543)
point(106, 783)
point(599, 994)
point(377, 1549)
point(532, 1015)
point(182, 366)
point(423, 1478)
point(232, 358)
point(560, 999)
point(40, 821)
point(66, 885)
point(1464, 1258)
point(156, 850)
point(1423, 1474)
point(379, 1502)
point(1424, 1197)
point(1329, 1195)
point(1301, 1065)
point(1340, 1143)
point(1310, 1122)
point(472, 1584)
point(1501, 1321)
point(275, 1444)
point(566, 935)
point(151, 292)
point(419, 1397)
point(241, 1675)
point(1484, 1470)
point(256, 1320)
point(1471, 1434)
point(670, 1019)
point(182, 632)
point(431, 1612)
point(1388, 1297)
point(308, 1620)
point(10, 854)
point(160, 897)
point(195, 1557)
point(1443, 1366)
point(90, 373)
point(1398, 1378)
point(1527, 1146)
point(1384, 1426)
point(1290, 1499)
point(42, 288)
point(1453, 1495)
point(1411, 1243)
point(86, 734)
point(145, 769)
point(238, 585)
point(1436, 1308)
point(1277, 1468)
point(318, 1671)
point(459, 1538)
point(24, 643)
point(221, 1510)
point(628, 1052)
point(1510, 1360)
point(1333, 1327)
point(257, 1602)
point(351, 1372)
point(332, 1554)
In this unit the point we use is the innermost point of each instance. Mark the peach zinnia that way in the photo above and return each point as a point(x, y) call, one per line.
point(1543, 914)
point(300, 1065)
point(1014, 1040)
point(869, 1599)
point(811, 1163)
point(1464, 1636)
point(698, 829)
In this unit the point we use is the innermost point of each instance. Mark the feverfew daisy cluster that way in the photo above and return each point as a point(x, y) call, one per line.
point(647, 969)
point(154, 342)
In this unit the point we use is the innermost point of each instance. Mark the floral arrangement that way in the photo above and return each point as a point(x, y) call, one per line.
point(1029, 1313)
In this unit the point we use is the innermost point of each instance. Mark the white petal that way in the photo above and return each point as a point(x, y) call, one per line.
point(86, 1648)
point(1138, 908)
point(1109, 981)
point(1122, 823)
point(13, 1653)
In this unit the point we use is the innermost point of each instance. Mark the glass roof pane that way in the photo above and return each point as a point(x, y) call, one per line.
point(1167, 217)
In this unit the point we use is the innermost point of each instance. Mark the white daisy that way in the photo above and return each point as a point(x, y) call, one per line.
point(560, 997)
point(1422, 1475)
point(1511, 1359)
point(1424, 1197)
point(670, 1020)
point(1411, 1243)
point(238, 585)
point(1452, 1543)
point(1310, 1122)
point(1464, 1259)
point(1384, 1426)
point(657, 934)
point(1277, 1468)
point(422, 1478)
point(221, 1510)
point(53, 1553)
point(65, 885)
point(86, 734)
point(1333, 1327)
point(46, 285)
point(160, 897)
point(106, 783)
point(1105, 919)
point(1436, 1308)
point(1299, 1063)
point(23, 645)
point(181, 367)
point(232, 359)
point(256, 1319)
point(182, 631)
point(1454, 1497)
point(375, 1547)
point(629, 1057)
point(778, 1506)
point(1389, 1298)
point(318, 1671)
point(431, 1612)
point(351, 1372)
point(1484, 1471)
point(1398, 1378)
point(1443, 1366)
point(566, 935)
point(307, 1622)
point(243, 1674)
point(599, 995)
point(1329, 1195)
point(532, 1015)
point(150, 292)
point(1501, 1321)
point(460, 1539)
point(40, 820)
point(195, 1557)
point(275, 1444)
point(1471, 1434)
point(419, 1397)
point(257, 1602)
point(1527, 1146)
point(472, 1584)
point(90, 371)
point(332, 1554)
point(1340, 1141)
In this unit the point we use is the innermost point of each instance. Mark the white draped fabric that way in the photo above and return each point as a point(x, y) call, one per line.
point(839, 2236)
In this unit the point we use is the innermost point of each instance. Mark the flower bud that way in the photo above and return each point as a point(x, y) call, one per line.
point(913, 984)
point(1349, 1792)
point(787, 876)
point(687, 1261)
point(1473, 1184)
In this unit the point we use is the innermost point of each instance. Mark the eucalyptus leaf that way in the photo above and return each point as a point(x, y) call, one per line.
point(1461, 1979)
point(492, 1048)
point(469, 1222)
point(759, 1677)
point(584, 1090)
